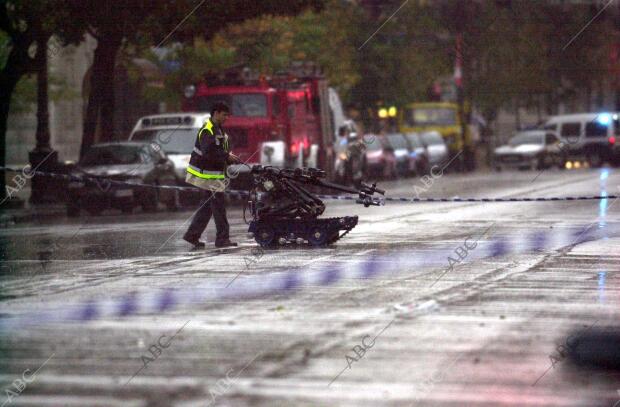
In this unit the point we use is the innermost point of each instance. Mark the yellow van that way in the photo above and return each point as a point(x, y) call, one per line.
point(443, 118)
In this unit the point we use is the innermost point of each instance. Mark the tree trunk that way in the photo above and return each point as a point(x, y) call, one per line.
point(487, 134)
point(92, 113)
point(7, 85)
point(9, 76)
point(101, 96)
point(43, 130)
point(517, 112)
point(108, 98)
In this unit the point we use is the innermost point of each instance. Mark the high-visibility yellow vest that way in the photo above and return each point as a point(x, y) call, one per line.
point(193, 167)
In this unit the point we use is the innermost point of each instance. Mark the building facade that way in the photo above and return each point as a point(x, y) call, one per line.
point(69, 64)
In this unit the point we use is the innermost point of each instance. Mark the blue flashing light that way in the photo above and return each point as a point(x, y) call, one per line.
point(604, 174)
point(604, 119)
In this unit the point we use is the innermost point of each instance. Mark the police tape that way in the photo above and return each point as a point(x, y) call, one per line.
point(290, 281)
point(457, 199)
point(242, 193)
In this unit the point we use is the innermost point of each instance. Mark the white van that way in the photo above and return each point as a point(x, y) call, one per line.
point(592, 136)
point(174, 132)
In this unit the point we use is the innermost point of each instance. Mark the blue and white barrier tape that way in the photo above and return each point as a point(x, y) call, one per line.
point(536, 199)
point(405, 262)
point(241, 193)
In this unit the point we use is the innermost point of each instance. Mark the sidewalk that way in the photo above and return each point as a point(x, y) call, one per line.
point(10, 215)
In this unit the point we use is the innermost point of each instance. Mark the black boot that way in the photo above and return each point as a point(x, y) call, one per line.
point(195, 242)
point(225, 243)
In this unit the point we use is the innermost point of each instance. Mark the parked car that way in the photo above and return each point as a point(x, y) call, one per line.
point(380, 159)
point(592, 136)
point(436, 148)
point(535, 149)
point(132, 162)
point(418, 153)
point(174, 132)
point(404, 162)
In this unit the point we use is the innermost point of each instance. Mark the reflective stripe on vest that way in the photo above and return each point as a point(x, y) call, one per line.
point(197, 151)
point(204, 174)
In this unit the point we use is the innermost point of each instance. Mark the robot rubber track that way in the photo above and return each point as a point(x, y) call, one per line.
point(284, 211)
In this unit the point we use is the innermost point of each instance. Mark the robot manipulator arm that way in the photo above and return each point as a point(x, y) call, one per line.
point(313, 176)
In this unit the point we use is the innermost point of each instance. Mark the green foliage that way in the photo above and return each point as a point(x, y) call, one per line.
point(374, 56)
point(399, 61)
point(5, 48)
point(24, 97)
point(325, 38)
point(22, 20)
point(267, 44)
point(527, 51)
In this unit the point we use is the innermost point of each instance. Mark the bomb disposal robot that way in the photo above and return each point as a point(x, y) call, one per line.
point(283, 211)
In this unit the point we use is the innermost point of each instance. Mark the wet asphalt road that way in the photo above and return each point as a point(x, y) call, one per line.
point(479, 335)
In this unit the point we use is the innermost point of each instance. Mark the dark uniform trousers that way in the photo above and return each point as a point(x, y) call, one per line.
point(212, 203)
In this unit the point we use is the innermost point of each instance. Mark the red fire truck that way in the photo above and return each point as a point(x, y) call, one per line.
point(288, 120)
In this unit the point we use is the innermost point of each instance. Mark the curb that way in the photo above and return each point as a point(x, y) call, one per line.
point(13, 216)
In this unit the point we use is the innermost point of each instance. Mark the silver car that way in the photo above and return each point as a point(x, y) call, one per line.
point(436, 147)
point(535, 149)
point(398, 143)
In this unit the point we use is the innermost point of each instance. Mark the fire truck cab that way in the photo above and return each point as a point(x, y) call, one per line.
point(285, 121)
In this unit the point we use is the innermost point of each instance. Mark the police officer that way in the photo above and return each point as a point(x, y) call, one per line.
point(207, 170)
